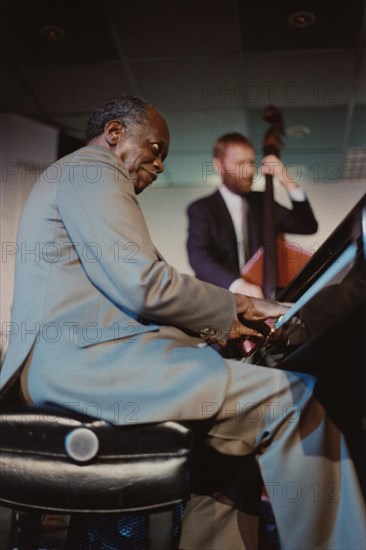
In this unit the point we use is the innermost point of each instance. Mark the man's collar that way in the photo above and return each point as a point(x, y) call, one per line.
point(229, 196)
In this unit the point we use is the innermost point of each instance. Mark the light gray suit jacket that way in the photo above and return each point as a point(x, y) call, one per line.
point(108, 328)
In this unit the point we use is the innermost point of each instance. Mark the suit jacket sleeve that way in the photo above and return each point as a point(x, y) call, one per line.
point(208, 260)
point(299, 220)
point(102, 216)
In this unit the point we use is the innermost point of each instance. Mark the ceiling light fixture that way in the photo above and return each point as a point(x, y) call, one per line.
point(51, 33)
point(298, 131)
point(301, 19)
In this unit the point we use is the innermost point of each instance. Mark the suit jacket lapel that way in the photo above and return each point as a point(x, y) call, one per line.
point(224, 214)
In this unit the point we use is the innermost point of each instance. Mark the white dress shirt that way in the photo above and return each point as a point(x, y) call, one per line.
point(235, 206)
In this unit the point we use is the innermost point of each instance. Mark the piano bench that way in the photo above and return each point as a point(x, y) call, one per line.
point(53, 461)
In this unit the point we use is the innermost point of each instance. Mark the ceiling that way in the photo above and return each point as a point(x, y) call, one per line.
point(210, 66)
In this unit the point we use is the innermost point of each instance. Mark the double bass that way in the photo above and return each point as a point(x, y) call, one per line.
point(277, 261)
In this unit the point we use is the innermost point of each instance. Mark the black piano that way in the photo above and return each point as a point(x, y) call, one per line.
point(331, 347)
point(330, 341)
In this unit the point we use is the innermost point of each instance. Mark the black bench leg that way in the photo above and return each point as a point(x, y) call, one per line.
point(7, 528)
point(160, 530)
point(28, 531)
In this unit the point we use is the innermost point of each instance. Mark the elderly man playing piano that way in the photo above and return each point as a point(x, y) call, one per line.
point(105, 319)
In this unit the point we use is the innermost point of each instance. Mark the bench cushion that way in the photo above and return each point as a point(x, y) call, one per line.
point(133, 467)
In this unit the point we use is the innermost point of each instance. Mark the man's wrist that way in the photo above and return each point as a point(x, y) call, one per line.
point(242, 303)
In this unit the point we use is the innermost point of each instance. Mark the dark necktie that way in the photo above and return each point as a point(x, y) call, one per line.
point(246, 229)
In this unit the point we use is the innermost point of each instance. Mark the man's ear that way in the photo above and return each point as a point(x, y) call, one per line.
point(217, 165)
point(113, 131)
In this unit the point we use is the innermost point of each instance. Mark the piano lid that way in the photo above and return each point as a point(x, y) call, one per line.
point(352, 229)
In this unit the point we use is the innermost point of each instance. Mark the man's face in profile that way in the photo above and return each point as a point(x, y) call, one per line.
point(237, 167)
point(144, 148)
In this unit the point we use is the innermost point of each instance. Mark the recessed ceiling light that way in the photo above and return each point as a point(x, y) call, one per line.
point(51, 33)
point(298, 131)
point(301, 19)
